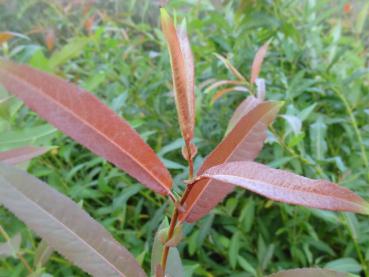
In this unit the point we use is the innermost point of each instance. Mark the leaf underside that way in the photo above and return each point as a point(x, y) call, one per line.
point(64, 225)
point(87, 120)
point(287, 187)
point(22, 154)
point(244, 142)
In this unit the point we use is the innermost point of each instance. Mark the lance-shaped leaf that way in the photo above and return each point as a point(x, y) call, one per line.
point(258, 61)
point(244, 108)
point(83, 117)
point(287, 187)
point(309, 272)
point(243, 142)
point(183, 74)
point(23, 154)
point(64, 225)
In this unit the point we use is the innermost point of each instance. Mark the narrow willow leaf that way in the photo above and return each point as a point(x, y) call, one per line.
point(43, 253)
point(287, 187)
point(244, 142)
point(309, 272)
point(224, 91)
point(258, 61)
point(344, 265)
point(28, 136)
point(222, 83)
point(73, 48)
point(176, 237)
point(83, 117)
point(244, 108)
point(183, 74)
point(10, 247)
point(230, 67)
point(174, 263)
point(22, 154)
point(64, 225)
point(5, 36)
point(318, 131)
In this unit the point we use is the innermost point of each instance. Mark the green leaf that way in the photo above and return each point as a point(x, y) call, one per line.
point(318, 132)
point(69, 51)
point(233, 249)
point(64, 225)
point(344, 265)
point(29, 136)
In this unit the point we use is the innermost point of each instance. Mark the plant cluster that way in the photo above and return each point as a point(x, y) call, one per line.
point(67, 229)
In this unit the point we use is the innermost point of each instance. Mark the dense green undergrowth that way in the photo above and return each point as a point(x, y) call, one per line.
point(317, 63)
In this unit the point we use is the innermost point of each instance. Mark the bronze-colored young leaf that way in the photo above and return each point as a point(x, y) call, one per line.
point(243, 142)
point(309, 272)
point(244, 108)
point(287, 187)
point(83, 117)
point(64, 225)
point(183, 74)
point(22, 154)
point(258, 61)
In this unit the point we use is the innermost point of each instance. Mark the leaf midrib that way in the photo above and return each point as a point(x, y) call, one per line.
point(68, 110)
point(53, 218)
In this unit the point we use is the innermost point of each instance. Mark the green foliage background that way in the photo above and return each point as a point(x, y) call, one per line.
point(317, 63)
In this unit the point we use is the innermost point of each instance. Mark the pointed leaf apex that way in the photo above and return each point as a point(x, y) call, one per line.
point(164, 15)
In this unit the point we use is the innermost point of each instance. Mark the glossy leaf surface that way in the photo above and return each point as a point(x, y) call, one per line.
point(244, 142)
point(64, 225)
point(22, 154)
point(183, 74)
point(83, 117)
point(287, 187)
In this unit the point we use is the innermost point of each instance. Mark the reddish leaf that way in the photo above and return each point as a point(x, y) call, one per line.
point(230, 67)
point(64, 225)
point(22, 154)
point(244, 142)
point(287, 187)
point(83, 117)
point(224, 91)
point(258, 61)
point(183, 74)
point(5, 36)
point(244, 108)
point(50, 39)
point(222, 83)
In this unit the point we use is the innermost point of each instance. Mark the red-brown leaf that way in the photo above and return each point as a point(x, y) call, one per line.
point(244, 108)
point(244, 142)
point(23, 154)
point(5, 36)
point(83, 117)
point(258, 61)
point(183, 74)
point(287, 187)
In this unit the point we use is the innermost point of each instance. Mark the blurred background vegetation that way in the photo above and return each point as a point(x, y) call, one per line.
point(317, 63)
